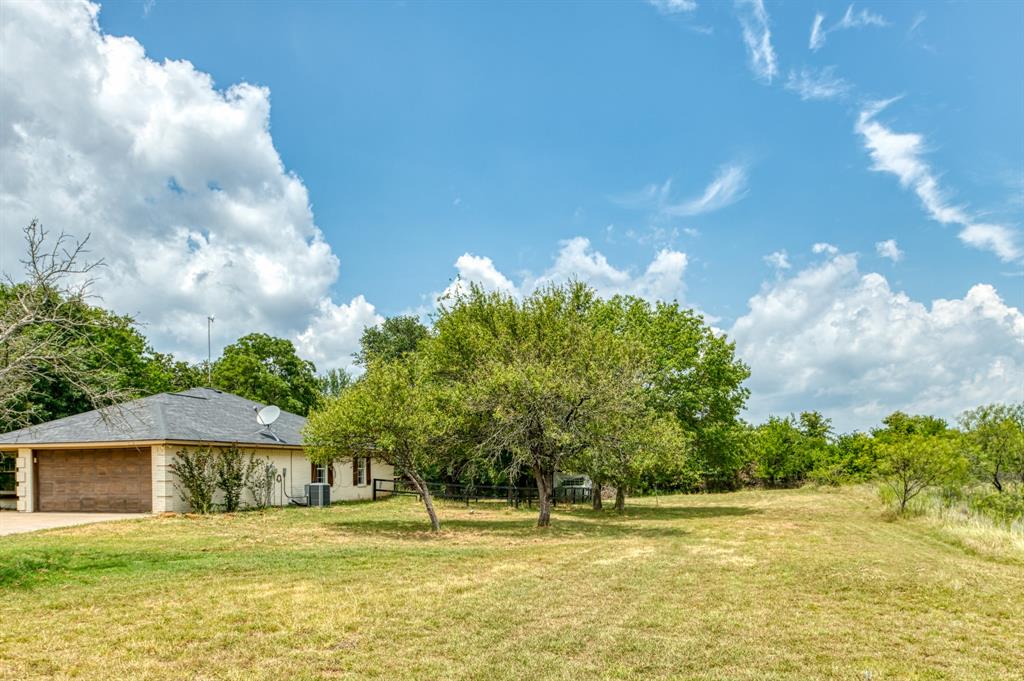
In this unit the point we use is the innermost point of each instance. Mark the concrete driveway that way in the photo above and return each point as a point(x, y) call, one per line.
point(12, 522)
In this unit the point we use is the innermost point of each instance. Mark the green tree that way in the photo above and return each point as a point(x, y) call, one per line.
point(994, 435)
point(852, 457)
point(911, 464)
point(695, 376)
point(60, 355)
point(899, 424)
point(395, 338)
point(815, 427)
point(533, 376)
point(167, 374)
point(267, 369)
point(334, 382)
point(391, 413)
point(782, 453)
point(628, 445)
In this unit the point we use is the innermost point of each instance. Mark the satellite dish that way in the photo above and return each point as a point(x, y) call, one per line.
point(267, 415)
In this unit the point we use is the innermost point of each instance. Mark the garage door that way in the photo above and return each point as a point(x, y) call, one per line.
point(110, 480)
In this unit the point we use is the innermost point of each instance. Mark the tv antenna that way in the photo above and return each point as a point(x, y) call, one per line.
point(209, 351)
point(266, 417)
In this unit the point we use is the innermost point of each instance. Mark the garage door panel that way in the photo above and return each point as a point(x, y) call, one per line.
point(101, 480)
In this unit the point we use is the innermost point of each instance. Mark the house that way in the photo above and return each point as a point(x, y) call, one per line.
point(118, 460)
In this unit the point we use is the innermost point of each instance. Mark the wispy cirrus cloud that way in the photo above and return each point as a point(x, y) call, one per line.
point(851, 19)
point(673, 6)
point(902, 155)
point(728, 186)
point(757, 36)
point(819, 84)
point(817, 33)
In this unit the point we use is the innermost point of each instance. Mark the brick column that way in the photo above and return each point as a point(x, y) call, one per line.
point(25, 479)
point(165, 495)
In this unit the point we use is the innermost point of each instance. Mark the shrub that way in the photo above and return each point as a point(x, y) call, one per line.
point(260, 475)
point(915, 463)
point(195, 474)
point(1005, 508)
point(231, 479)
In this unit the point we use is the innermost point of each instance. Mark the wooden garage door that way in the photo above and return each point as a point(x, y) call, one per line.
point(111, 480)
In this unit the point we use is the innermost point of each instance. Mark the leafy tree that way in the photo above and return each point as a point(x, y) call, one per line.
point(167, 374)
point(994, 434)
point(783, 454)
point(815, 427)
point(899, 424)
point(852, 457)
point(695, 376)
point(391, 413)
point(395, 338)
point(911, 464)
point(334, 382)
point(56, 354)
point(267, 369)
point(533, 376)
point(628, 445)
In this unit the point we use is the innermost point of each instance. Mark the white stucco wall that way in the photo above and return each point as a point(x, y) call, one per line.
point(291, 465)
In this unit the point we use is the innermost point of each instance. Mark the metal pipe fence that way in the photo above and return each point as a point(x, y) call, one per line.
point(512, 495)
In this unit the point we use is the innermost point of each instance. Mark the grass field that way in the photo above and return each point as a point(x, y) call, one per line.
point(802, 584)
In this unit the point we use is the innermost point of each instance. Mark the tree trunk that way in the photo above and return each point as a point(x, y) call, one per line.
point(595, 495)
point(428, 501)
point(620, 499)
point(544, 497)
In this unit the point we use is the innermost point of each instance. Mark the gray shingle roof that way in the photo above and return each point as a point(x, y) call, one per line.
point(199, 414)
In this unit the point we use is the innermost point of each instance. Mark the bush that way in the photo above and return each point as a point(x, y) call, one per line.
point(231, 478)
point(260, 475)
point(1005, 508)
point(195, 474)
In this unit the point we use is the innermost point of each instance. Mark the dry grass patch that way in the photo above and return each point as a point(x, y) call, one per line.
point(753, 585)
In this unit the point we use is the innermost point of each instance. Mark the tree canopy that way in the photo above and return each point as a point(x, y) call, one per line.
point(268, 370)
point(391, 414)
point(395, 338)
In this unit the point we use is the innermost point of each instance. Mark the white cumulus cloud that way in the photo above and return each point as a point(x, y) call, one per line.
point(662, 279)
point(779, 260)
point(902, 154)
point(832, 338)
point(178, 182)
point(889, 249)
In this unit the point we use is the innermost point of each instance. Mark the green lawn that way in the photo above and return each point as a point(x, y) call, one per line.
point(800, 584)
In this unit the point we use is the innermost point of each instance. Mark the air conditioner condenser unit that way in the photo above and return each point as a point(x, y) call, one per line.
point(318, 494)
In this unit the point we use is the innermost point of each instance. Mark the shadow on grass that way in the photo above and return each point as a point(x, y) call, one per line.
point(572, 522)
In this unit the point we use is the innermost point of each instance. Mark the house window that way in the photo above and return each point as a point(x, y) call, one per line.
point(322, 473)
point(360, 471)
point(8, 462)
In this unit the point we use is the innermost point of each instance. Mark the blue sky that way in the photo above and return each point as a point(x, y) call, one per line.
point(427, 130)
point(677, 149)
